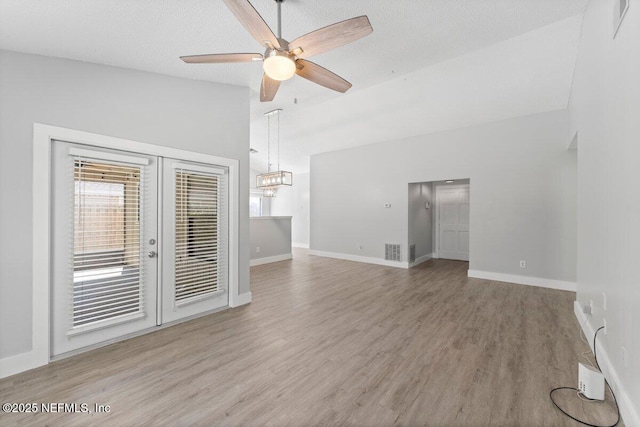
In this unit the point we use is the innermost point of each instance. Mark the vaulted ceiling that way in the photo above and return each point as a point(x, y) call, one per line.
point(430, 65)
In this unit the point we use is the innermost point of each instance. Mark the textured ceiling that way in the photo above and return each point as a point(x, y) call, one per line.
point(409, 36)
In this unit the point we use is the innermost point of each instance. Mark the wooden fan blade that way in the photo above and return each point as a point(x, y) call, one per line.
point(218, 58)
point(268, 88)
point(253, 22)
point(320, 75)
point(332, 37)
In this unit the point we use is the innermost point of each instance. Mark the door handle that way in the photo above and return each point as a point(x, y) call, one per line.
point(152, 254)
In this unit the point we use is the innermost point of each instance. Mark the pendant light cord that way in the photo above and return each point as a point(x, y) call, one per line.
point(268, 144)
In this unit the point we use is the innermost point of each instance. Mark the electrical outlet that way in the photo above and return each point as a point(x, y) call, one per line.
point(604, 301)
point(625, 357)
point(586, 310)
point(257, 249)
point(523, 264)
point(360, 247)
point(604, 323)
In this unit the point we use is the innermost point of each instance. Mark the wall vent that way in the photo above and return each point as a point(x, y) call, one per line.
point(412, 253)
point(620, 9)
point(391, 252)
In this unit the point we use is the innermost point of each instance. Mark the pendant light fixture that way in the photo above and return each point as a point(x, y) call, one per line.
point(270, 181)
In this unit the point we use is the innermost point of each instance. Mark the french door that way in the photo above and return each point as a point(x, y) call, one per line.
point(137, 241)
point(195, 235)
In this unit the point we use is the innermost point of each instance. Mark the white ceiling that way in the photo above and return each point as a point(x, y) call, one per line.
point(414, 41)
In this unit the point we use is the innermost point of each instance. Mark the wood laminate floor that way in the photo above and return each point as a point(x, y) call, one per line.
point(331, 342)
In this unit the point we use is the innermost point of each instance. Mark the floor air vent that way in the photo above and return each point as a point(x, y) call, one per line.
point(412, 253)
point(391, 252)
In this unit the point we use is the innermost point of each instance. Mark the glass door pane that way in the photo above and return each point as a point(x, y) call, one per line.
point(195, 239)
point(104, 218)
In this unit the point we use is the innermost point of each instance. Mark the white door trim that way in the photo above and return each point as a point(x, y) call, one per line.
point(436, 247)
point(42, 137)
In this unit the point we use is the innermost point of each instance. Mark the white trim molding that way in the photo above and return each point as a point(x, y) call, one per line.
point(270, 259)
point(421, 259)
point(43, 135)
point(22, 362)
point(358, 258)
point(523, 280)
point(300, 245)
point(630, 414)
point(241, 299)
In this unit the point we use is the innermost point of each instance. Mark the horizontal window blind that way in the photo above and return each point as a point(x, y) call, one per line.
point(107, 275)
point(198, 235)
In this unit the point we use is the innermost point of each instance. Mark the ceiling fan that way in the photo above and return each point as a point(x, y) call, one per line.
point(283, 59)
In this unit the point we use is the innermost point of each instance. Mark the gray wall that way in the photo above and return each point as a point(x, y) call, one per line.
point(191, 115)
point(272, 235)
point(421, 218)
point(523, 195)
point(294, 201)
point(605, 111)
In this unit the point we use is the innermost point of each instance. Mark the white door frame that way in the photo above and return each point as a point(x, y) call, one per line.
point(42, 137)
point(436, 248)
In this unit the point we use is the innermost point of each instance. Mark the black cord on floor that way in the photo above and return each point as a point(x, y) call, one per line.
point(595, 356)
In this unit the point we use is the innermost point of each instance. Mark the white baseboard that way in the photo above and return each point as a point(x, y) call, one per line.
point(300, 245)
point(630, 414)
point(524, 280)
point(270, 259)
point(357, 258)
point(241, 299)
point(420, 260)
point(21, 362)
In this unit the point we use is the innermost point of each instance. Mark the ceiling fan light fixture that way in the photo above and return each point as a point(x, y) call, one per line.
point(279, 65)
point(283, 59)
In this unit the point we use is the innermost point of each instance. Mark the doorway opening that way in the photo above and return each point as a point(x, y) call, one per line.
point(439, 213)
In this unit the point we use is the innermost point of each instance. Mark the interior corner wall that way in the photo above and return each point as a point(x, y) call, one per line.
point(152, 108)
point(605, 111)
point(421, 218)
point(294, 201)
point(523, 194)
